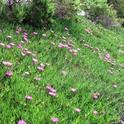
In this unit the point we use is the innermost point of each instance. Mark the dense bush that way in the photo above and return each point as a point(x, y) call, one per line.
point(2, 8)
point(35, 12)
point(38, 12)
point(67, 8)
point(41, 12)
point(20, 11)
point(99, 11)
point(13, 10)
point(119, 6)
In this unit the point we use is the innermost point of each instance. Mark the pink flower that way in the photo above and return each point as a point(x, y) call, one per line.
point(87, 45)
point(26, 73)
point(19, 46)
point(96, 49)
point(12, 44)
point(28, 97)
point(40, 68)
point(78, 49)
point(55, 120)
point(17, 32)
point(25, 34)
point(107, 56)
point(42, 65)
point(8, 46)
point(34, 55)
point(22, 42)
point(74, 52)
point(52, 94)
point(37, 78)
point(23, 54)
point(9, 74)
point(7, 63)
point(28, 52)
point(77, 110)
point(88, 30)
point(73, 89)
point(50, 89)
point(34, 33)
point(70, 50)
point(2, 44)
point(21, 122)
point(35, 61)
point(26, 39)
point(95, 112)
point(114, 85)
point(9, 37)
point(61, 45)
point(96, 95)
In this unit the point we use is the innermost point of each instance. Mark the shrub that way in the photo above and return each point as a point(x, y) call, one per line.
point(119, 6)
point(35, 12)
point(20, 11)
point(13, 10)
point(41, 12)
point(67, 8)
point(2, 8)
point(99, 11)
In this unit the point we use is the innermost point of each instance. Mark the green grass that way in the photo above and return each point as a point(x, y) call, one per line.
point(86, 72)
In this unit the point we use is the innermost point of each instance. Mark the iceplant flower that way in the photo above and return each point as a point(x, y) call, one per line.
point(77, 110)
point(81, 13)
point(7, 63)
point(2, 44)
point(40, 68)
point(8, 46)
point(9, 37)
point(26, 73)
point(37, 78)
point(25, 39)
point(28, 97)
point(114, 85)
point(12, 44)
point(9, 74)
point(42, 65)
point(19, 46)
point(61, 45)
point(66, 29)
point(107, 57)
point(23, 54)
point(73, 90)
point(17, 32)
point(44, 35)
point(35, 61)
point(52, 94)
point(27, 52)
point(74, 52)
point(21, 122)
point(55, 120)
point(25, 34)
point(34, 33)
point(96, 95)
point(51, 91)
point(95, 112)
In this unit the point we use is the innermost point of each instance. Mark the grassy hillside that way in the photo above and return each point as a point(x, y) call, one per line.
point(82, 81)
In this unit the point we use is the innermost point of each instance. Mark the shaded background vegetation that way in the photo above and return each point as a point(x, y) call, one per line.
point(43, 12)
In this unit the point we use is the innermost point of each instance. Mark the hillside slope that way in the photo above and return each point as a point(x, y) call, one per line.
point(80, 80)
